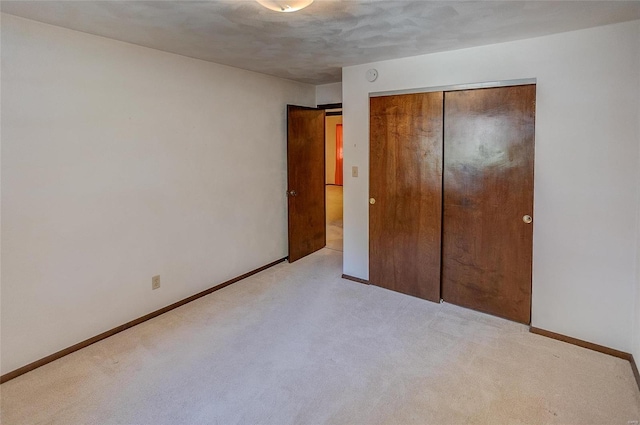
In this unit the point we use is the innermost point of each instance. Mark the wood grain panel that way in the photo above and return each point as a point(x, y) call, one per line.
point(406, 183)
point(305, 175)
point(488, 188)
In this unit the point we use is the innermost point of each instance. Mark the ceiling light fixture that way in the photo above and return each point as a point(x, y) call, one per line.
point(285, 5)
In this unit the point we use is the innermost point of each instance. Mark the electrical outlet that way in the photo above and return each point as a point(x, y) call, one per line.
point(155, 282)
point(354, 171)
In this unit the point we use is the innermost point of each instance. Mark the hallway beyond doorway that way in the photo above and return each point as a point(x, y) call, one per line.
point(334, 217)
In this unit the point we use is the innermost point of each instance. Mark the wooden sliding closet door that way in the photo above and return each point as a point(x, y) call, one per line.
point(405, 211)
point(488, 200)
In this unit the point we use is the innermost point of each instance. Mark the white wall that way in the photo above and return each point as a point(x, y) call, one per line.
point(119, 163)
point(587, 133)
point(636, 332)
point(1, 221)
point(329, 93)
point(636, 324)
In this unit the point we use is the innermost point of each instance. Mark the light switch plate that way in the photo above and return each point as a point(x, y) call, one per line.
point(354, 171)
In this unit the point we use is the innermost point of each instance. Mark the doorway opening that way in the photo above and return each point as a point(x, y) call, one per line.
point(333, 175)
point(310, 187)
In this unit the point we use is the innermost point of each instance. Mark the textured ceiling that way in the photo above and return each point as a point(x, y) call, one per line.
point(313, 44)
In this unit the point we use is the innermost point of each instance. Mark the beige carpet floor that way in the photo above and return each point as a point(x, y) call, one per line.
point(334, 217)
point(297, 344)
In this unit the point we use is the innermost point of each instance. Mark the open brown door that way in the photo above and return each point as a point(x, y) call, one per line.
point(488, 200)
point(405, 211)
point(306, 180)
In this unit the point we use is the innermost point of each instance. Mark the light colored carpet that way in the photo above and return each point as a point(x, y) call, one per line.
point(334, 217)
point(297, 344)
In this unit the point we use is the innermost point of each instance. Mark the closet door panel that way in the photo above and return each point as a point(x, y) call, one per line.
point(488, 196)
point(405, 211)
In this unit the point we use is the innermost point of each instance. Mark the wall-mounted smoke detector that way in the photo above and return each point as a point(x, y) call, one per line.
point(285, 5)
